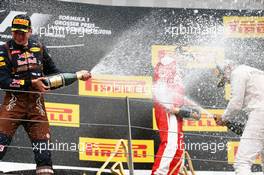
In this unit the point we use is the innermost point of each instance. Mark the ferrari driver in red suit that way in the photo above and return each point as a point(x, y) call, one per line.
point(168, 94)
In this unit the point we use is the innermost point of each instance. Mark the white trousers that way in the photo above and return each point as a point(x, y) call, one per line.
point(251, 143)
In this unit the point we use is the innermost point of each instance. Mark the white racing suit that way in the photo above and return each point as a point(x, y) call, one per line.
point(247, 93)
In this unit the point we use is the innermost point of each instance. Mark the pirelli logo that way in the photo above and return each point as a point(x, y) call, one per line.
point(117, 86)
point(206, 123)
point(240, 26)
point(200, 57)
point(232, 151)
point(97, 149)
point(61, 114)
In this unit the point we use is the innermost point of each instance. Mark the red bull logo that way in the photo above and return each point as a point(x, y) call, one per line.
point(31, 60)
point(25, 55)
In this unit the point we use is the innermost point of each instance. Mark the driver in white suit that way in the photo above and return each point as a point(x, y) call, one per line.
point(247, 93)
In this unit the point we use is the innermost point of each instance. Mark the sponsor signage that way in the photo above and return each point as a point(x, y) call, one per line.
point(232, 151)
point(196, 56)
point(117, 86)
point(98, 149)
point(61, 114)
point(241, 26)
point(206, 123)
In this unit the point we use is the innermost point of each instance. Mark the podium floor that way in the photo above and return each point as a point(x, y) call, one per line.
point(56, 172)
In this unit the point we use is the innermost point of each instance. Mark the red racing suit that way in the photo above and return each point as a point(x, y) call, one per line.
point(169, 157)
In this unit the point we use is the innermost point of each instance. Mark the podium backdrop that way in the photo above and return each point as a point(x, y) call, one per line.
point(120, 45)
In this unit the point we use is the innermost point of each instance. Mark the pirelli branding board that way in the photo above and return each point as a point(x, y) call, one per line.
point(117, 86)
point(206, 123)
point(232, 151)
point(98, 149)
point(61, 114)
point(241, 26)
point(199, 56)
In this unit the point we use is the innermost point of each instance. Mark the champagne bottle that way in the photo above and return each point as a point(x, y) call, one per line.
point(60, 80)
point(187, 112)
point(236, 128)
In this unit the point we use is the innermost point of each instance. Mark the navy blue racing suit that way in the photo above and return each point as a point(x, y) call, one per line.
point(18, 66)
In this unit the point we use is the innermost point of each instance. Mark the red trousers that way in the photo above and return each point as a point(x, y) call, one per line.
point(170, 152)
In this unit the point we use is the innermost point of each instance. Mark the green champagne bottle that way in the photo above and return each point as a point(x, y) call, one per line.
point(60, 80)
point(233, 126)
point(236, 128)
point(187, 112)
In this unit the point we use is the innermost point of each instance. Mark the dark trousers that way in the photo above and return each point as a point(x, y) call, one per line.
point(28, 110)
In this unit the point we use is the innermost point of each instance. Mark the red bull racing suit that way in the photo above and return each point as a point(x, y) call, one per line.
point(18, 66)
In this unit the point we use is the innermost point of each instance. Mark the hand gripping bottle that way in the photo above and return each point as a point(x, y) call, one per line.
point(187, 112)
